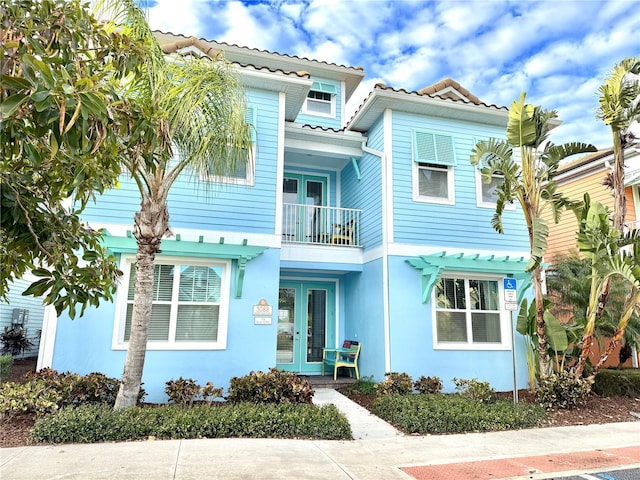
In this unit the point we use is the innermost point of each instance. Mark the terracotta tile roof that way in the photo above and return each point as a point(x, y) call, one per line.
point(443, 89)
point(202, 40)
point(211, 52)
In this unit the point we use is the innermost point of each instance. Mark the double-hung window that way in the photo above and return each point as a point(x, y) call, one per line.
point(468, 314)
point(189, 305)
point(487, 193)
point(242, 172)
point(433, 167)
point(321, 100)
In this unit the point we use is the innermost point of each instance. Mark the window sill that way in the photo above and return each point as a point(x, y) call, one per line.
point(182, 346)
point(472, 347)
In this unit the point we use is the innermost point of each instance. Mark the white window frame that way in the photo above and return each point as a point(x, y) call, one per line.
point(505, 317)
point(332, 103)
point(480, 202)
point(450, 200)
point(127, 262)
point(248, 181)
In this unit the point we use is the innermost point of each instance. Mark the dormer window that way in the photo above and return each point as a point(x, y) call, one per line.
point(321, 100)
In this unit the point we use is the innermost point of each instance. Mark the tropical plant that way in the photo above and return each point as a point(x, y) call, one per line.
point(557, 341)
point(568, 284)
point(14, 341)
point(200, 109)
point(64, 131)
point(619, 108)
point(528, 179)
point(602, 244)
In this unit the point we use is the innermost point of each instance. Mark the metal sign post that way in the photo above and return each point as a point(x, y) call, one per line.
point(511, 304)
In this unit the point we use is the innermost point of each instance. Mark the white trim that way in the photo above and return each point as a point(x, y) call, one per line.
point(450, 200)
point(414, 249)
point(248, 181)
point(209, 236)
point(387, 230)
point(480, 203)
point(47, 338)
point(332, 105)
point(280, 166)
point(343, 101)
point(505, 317)
point(126, 262)
point(635, 190)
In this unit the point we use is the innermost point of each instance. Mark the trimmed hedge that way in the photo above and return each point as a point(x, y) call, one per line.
point(611, 382)
point(99, 423)
point(455, 413)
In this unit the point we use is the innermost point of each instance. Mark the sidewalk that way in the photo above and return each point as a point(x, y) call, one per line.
point(378, 452)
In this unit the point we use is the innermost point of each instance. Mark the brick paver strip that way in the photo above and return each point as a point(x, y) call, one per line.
point(514, 467)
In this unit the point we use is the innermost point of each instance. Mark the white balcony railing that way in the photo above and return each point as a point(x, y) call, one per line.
point(632, 225)
point(313, 224)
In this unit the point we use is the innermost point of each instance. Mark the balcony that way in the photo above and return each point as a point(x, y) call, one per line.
point(318, 225)
point(632, 225)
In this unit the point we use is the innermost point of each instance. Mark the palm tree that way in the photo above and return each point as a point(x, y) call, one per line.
point(619, 107)
point(198, 109)
point(530, 182)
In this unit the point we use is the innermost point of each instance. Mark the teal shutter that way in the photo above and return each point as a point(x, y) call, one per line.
point(250, 117)
point(433, 148)
point(324, 88)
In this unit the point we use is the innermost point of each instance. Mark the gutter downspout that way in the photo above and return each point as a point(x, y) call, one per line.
point(385, 257)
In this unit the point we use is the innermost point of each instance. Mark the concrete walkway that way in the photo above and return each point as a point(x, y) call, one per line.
point(378, 452)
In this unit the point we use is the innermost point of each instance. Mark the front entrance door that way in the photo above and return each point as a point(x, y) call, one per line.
point(306, 324)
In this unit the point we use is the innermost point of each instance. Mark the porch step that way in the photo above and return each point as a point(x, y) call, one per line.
point(327, 381)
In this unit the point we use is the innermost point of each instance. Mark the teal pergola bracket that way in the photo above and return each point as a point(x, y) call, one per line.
point(432, 266)
point(241, 253)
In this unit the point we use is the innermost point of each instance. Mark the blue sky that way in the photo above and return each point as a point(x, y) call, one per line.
point(558, 51)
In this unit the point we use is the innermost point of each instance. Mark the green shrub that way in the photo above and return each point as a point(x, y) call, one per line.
point(617, 383)
point(98, 423)
point(475, 390)
point(428, 385)
point(32, 397)
point(6, 365)
point(455, 413)
point(366, 385)
point(47, 391)
point(274, 386)
point(395, 383)
point(184, 392)
point(562, 390)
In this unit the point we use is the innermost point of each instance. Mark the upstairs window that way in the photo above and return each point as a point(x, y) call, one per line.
point(433, 166)
point(321, 100)
point(243, 174)
point(487, 193)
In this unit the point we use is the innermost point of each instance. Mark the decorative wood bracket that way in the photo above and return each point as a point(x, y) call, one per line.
point(354, 162)
point(242, 253)
point(432, 266)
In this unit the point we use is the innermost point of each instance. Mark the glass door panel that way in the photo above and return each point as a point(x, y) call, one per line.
point(286, 325)
point(316, 323)
point(290, 217)
point(303, 195)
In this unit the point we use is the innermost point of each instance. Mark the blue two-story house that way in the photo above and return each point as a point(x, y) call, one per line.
point(374, 228)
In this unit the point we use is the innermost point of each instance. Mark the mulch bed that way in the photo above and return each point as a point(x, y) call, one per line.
point(595, 410)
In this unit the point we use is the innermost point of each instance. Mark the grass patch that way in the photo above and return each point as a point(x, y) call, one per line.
point(100, 423)
point(455, 413)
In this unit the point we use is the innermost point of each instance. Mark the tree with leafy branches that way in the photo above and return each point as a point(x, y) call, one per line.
point(529, 179)
point(65, 131)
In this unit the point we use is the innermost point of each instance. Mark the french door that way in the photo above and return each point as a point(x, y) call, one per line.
point(306, 324)
point(302, 195)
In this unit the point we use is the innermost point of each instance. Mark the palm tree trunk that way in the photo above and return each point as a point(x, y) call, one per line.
point(630, 304)
point(543, 355)
point(151, 223)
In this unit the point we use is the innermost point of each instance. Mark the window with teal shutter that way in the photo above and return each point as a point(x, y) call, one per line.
point(433, 148)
